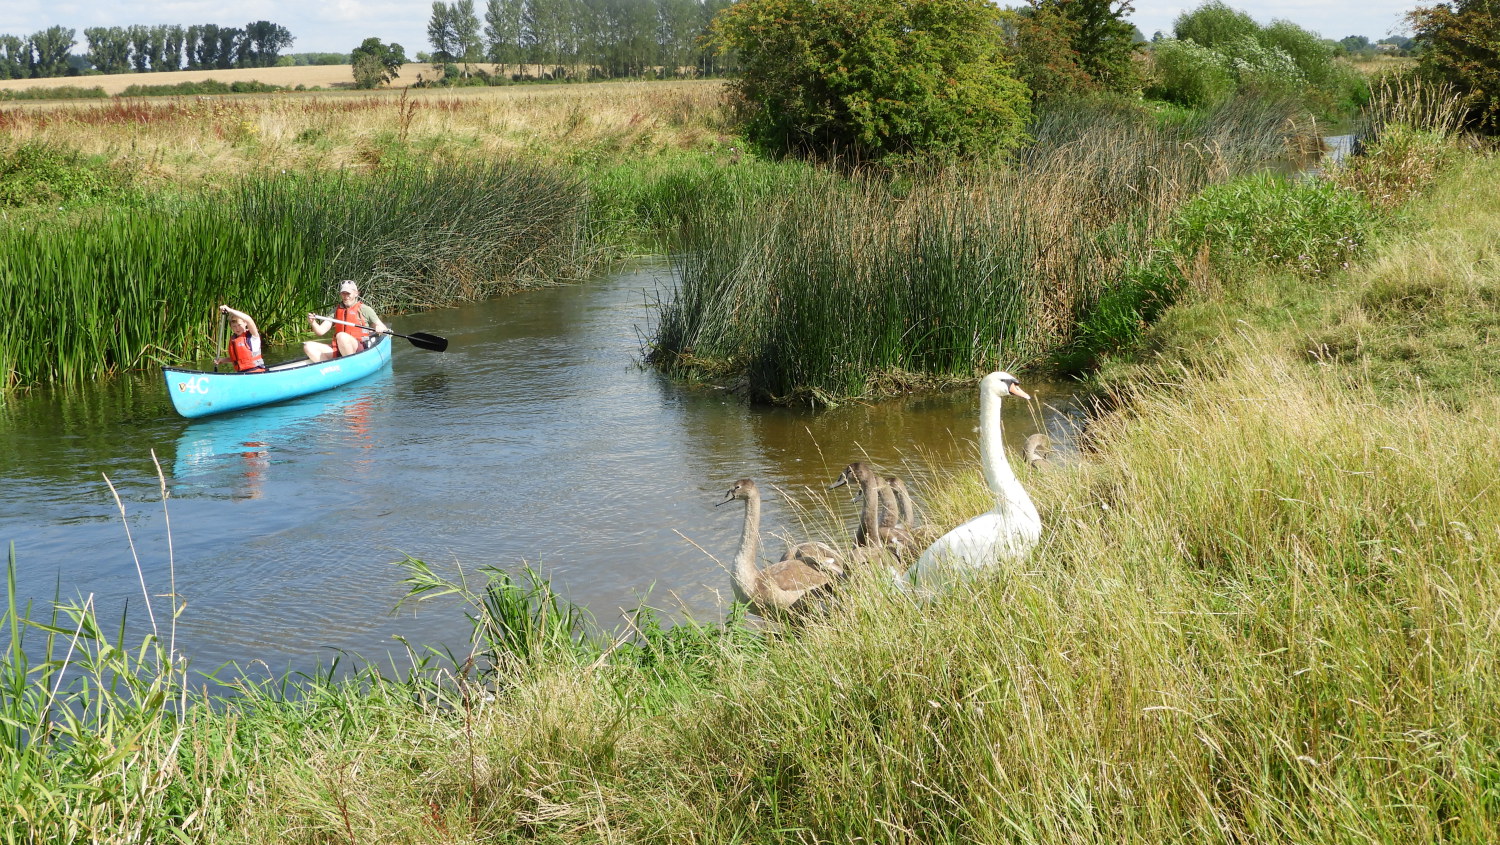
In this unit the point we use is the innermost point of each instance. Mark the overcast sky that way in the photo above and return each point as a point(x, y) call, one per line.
point(329, 26)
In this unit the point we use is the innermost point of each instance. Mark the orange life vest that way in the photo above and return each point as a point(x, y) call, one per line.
point(350, 315)
point(242, 356)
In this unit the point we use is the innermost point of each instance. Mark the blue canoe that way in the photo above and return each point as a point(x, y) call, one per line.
point(197, 394)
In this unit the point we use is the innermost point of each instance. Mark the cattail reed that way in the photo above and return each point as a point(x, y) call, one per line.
point(125, 287)
point(812, 296)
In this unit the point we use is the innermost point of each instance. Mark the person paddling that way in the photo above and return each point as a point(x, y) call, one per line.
point(349, 339)
point(244, 346)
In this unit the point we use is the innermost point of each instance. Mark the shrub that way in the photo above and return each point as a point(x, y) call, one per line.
point(61, 92)
point(1269, 71)
point(1462, 42)
point(1307, 226)
point(894, 81)
point(39, 174)
point(1397, 165)
point(1189, 74)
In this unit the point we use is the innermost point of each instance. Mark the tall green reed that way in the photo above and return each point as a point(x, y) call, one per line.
point(824, 290)
point(127, 287)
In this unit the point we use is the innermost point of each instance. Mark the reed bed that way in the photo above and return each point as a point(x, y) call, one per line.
point(124, 287)
point(836, 286)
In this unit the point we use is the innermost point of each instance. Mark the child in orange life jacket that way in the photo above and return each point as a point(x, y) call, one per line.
point(347, 339)
point(244, 346)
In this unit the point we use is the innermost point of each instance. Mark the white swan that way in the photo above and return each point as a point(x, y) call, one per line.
point(784, 589)
point(1009, 529)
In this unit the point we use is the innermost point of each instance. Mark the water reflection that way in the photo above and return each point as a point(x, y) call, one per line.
point(235, 452)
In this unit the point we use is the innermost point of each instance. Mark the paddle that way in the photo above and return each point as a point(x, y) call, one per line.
point(421, 340)
point(219, 342)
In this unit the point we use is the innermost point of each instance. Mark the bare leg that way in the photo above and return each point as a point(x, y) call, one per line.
point(347, 344)
point(317, 352)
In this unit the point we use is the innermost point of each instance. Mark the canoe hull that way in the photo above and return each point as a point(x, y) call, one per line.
point(198, 394)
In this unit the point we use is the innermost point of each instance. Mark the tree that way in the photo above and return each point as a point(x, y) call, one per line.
point(376, 64)
point(1042, 47)
point(1214, 24)
point(265, 41)
point(894, 81)
point(109, 48)
point(678, 29)
point(1460, 43)
point(466, 37)
point(15, 57)
point(1102, 39)
point(140, 47)
point(502, 31)
point(172, 42)
point(50, 49)
point(441, 33)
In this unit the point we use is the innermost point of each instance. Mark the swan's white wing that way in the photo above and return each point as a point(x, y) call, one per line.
point(974, 546)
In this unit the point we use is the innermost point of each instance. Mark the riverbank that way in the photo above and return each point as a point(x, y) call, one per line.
point(1262, 610)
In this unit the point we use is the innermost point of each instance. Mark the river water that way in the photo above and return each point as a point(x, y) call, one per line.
point(536, 439)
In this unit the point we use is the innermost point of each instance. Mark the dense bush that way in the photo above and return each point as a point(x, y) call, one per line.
point(39, 174)
point(874, 80)
point(1462, 41)
point(1309, 226)
point(1400, 162)
point(1189, 74)
point(61, 92)
point(1278, 60)
point(1306, 227)
point(207, 86)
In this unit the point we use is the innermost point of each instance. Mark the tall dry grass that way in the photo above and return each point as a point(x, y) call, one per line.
point(831, 288)
point(209, 140)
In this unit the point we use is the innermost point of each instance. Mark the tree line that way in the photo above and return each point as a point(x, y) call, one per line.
point(613, 38)
point(142, 49)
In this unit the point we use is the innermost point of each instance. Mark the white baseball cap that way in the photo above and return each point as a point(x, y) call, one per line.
point(349, 286)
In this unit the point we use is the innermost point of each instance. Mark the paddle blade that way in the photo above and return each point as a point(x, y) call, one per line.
point(423, 340)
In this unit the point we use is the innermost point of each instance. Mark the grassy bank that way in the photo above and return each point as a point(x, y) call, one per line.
point(1263, 609)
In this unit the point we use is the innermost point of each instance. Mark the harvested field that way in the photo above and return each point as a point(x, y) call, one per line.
point(311, 76)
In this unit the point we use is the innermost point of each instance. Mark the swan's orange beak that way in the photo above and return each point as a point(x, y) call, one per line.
point(1015, 390)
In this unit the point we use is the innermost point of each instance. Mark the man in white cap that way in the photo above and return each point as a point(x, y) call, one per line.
point(356, 322)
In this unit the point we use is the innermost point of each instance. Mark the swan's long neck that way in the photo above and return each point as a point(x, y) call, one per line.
point(997, 472)
point(746, 574)
point(903, 501)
